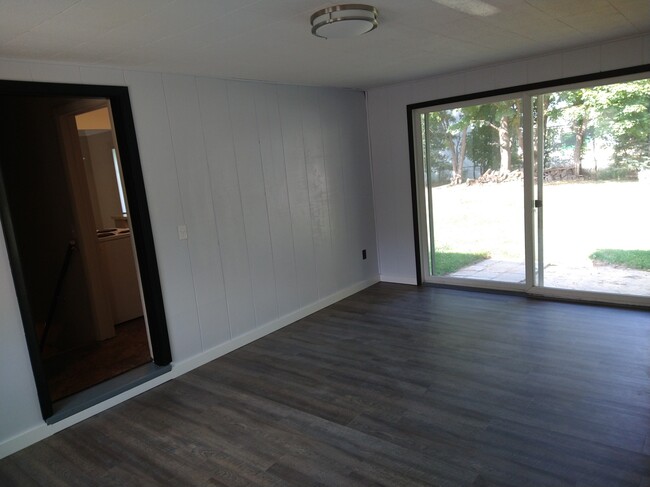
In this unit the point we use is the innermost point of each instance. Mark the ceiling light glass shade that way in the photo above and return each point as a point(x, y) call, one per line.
point(342, 21)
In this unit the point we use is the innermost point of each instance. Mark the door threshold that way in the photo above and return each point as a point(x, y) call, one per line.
point(591, 299)
point(92, 396)
point(508, 290)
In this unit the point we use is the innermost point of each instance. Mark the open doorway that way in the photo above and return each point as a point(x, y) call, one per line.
point(79, 239)
point(79, 354)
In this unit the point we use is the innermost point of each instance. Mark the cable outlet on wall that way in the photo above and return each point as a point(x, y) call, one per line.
point(182, 232)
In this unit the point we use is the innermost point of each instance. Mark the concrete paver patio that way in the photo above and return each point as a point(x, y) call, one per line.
point(585, 277)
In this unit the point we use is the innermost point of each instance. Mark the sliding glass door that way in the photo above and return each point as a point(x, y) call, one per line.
point(475, 231)
point(596, 149)
point(542, 192)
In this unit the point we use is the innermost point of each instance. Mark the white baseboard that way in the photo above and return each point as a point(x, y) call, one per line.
point(399, 279)
point(224, 348)
point(42, 431)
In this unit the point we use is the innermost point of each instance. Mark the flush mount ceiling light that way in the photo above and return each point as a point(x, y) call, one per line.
point(342, 21)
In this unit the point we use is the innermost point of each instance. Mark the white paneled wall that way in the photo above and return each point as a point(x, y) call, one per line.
point(299, 202)
point(273, 184)
point(387, 121)
point(227, 202)
point(257, 236)
point(276, 192)
point(195, 191)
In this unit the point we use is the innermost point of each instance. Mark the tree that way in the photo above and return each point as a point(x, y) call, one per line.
point(503, 117)
point(623, 111)
point(453, 127)
point(434, 144)
point(617, 113)
point(482, 147)
point(578, 107)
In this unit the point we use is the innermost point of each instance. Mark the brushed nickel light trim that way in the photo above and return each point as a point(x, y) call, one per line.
point(338, 15)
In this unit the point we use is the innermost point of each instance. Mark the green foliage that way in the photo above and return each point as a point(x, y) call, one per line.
point(483, 147)
point(618, 114)
point(435, 133)
point(448, 262)
point(624, 116)
point(615, 173)
point(489, 135)
point(631, 259)
point(474, 133)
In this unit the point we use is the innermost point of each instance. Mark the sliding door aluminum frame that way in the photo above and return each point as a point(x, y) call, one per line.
point(420, 161)
point(533, 223)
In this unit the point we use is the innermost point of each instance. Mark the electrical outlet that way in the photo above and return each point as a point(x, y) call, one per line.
point(363, 254)
point(182, 232)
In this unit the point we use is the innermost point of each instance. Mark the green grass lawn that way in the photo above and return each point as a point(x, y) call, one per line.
point(578, 218)
point(448, 262)
point(632, 259)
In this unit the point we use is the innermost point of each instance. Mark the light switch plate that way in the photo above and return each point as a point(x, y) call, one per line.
point(182, 232)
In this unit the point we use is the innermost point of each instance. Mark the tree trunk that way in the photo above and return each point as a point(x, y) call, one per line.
point(461, 152)
point(453, 152)
point(505, 146)
point(579, 129)
point(519, 128)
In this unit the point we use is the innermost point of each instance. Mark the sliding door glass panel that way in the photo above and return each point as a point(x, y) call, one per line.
point(596, 189)
point(472, 161)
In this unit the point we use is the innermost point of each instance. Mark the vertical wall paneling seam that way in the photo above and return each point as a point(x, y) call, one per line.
point(180, 202)
point(241, 201)
point(326, 182)
point(214, 213)
point(265, 95)
point(286, 177)
point(372, 180)
point(345, 235)
point(304, 150)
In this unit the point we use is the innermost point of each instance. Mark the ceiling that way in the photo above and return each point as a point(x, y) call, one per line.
point(270, 40)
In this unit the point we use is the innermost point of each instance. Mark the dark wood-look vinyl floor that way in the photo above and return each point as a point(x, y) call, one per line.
point(394, 386)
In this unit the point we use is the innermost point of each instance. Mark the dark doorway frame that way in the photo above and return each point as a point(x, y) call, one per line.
point(124, 126)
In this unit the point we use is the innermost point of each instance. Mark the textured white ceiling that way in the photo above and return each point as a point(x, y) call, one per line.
point(270, 40)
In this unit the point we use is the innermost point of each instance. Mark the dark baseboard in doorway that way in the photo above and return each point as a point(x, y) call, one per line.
point(101, 392)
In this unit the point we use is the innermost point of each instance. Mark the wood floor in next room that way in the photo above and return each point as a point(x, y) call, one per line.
point(396, 386)
point(79, 369)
